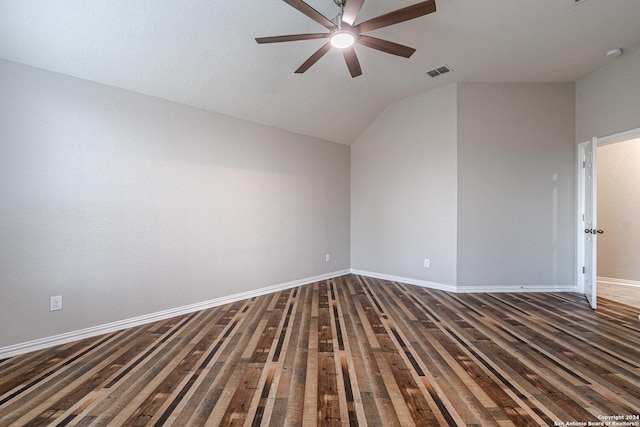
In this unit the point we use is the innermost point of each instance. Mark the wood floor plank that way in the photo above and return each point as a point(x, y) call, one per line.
point(574, 357)
point(291, 394)
point(348, 351)
point(378, 409)
point(196, 403)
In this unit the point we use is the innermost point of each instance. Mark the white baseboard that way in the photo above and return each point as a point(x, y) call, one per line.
point(39, 344)
point(614, 281)
point(515, 288)
point(467, 289)
point(42, 343)
point(423, 283)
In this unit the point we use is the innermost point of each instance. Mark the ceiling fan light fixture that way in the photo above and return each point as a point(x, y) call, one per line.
point(342, 39)
point(343, 34)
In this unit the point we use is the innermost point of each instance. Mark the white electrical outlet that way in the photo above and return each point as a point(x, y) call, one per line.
point(427, 263)
point(327, 257)
point(55, 303)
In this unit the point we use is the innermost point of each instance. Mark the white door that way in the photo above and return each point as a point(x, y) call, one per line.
point(590, 224)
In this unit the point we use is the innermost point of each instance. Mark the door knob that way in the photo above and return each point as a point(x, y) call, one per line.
point(593, 231)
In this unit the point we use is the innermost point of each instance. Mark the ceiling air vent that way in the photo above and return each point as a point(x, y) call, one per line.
point(439, 71)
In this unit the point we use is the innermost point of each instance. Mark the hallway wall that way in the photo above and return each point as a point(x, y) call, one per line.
point(619, 210)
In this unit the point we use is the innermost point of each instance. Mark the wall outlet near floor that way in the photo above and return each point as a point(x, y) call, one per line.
point(55, 303)
point(427, 263)
point(327, 257)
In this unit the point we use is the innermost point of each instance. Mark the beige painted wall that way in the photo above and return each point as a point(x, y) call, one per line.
point(127, 204)
point(516, 184)
point(619, 210)
point(403, 177)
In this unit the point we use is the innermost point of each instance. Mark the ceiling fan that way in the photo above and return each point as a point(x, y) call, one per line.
point(343, 34)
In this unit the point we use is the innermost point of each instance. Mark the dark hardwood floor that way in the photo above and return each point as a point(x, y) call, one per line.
point(348, 351)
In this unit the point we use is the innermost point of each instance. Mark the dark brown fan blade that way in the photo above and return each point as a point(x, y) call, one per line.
point(351, 10)
point(352, 61)
point(314, 58)
point(397, 16)
point(292, 38)
point(311, 13)
point(386, 46)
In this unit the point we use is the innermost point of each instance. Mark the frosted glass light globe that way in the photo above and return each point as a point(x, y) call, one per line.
point(342, 39)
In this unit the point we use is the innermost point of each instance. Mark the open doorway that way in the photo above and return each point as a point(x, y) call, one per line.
point(618, 205)
point(588, 229)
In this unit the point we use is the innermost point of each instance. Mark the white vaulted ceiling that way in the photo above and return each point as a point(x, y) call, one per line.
point(203, 53)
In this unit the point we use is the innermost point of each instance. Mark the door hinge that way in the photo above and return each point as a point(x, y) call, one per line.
point(583, 270)
point(584, 164)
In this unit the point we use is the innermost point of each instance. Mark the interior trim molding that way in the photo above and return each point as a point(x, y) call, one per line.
point(516, 288)
point(614, 281)
point(469, 288)
point(391, 278)
point(42, 343)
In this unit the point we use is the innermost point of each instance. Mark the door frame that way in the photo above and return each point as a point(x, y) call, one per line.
point(580, 200)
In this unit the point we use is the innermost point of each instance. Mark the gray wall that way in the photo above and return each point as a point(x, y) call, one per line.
point(403, 177)
point(479, 178)
point(128, 205)
point(608, 100)
point(516, 196)
point(619, 210)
